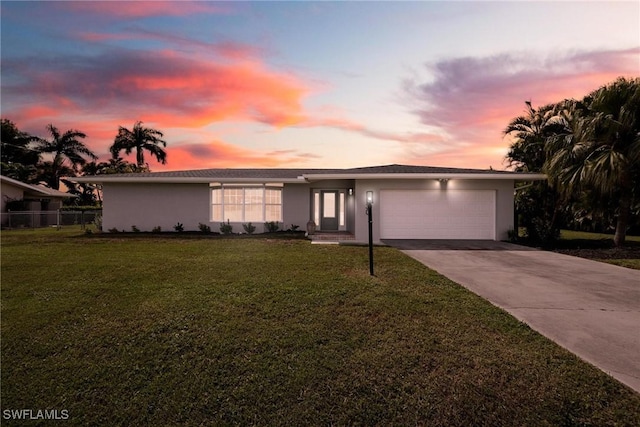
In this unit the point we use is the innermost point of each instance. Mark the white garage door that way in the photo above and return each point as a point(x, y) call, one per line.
point(435, 214)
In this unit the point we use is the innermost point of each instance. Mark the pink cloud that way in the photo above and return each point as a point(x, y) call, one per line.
point(140, 9)
point(219, 154)
point(165, 87)
point(473, 99)
point(168, 90)
point(337, 122)
point(90, 36)
point(223, 49)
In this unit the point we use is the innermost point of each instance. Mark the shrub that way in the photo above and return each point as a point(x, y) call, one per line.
point(226, 228)
point(272, 226)
point(135, 229)
point(179, 227)
point(80, 208)
point(204, 228)
point(113, 230)
point(97, 221)
point(543, 233)
point(249, 228)
point(294, 227)
point(157, 229)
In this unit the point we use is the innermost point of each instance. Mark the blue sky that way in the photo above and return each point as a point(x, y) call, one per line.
point(308, 84)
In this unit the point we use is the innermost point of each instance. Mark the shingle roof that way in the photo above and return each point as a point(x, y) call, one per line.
point(302, 175)
point(390, 169)
point(227, 173)
point(295, 173)
point(35, 190)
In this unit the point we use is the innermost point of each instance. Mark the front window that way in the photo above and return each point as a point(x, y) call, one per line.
point(273, 204)
point(246, 204)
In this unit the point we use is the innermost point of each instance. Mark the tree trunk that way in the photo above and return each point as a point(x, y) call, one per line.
point(623, 218)
point(139, 156)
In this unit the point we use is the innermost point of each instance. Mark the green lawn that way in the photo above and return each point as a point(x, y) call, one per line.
point(600, 247)
point(584, 235)
point(212, 331)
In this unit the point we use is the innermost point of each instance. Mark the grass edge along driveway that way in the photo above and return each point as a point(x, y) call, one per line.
point(126, 331)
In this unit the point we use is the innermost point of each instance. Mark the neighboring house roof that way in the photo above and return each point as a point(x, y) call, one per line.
point(34, 190)
point(307, 175)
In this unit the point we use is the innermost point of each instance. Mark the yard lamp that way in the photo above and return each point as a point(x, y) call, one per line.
point(370, 216)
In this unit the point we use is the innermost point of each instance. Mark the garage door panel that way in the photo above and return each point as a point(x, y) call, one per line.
point(450, 214)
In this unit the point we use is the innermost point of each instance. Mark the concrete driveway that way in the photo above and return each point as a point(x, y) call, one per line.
point(590, 308)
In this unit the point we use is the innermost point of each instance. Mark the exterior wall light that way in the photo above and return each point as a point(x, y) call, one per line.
point(369, 198)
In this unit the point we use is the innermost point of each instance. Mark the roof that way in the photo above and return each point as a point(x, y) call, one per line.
point(34, 190)
point(307, 175)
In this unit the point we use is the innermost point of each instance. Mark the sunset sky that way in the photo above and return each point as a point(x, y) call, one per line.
point(307, 84)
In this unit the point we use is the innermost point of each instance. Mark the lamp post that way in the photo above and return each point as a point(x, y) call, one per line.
point(370, 216)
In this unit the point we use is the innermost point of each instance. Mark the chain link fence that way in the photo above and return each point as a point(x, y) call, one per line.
point(40, 219)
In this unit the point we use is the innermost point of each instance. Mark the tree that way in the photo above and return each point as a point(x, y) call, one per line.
point(600, 148)
point(17, 157)
point(64, 147)
point(537, 203)
point(116, 165)
point(140, 139)
point(530, 132)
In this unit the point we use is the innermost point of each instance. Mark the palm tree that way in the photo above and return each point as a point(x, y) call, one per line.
point(536, 202)
point(600, 149)
point(140, 139)
point(66, 146)
point(530, 132)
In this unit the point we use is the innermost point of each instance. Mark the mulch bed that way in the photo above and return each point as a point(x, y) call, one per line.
point(630, 252)
point(598, 249)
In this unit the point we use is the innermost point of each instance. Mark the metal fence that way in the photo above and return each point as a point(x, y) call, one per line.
point(39, 219)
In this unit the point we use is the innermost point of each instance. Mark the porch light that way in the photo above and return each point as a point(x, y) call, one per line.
point(369, 198)
point(351, 191)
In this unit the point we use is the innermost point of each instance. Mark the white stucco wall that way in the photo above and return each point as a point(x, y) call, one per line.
point(296, 205)
point(151, 205)
point(9, 192)
point(504, 201)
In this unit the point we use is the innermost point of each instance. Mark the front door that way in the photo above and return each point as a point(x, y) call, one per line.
point(329, 210)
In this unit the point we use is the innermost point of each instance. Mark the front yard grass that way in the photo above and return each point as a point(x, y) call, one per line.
point(600, 247)
point(215, 331)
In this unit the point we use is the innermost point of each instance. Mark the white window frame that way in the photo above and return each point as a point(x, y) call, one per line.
point(264, 187)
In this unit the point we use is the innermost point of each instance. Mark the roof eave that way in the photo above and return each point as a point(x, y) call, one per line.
point(305, 178)
point(45, 195)
point(178, 180)
point(34, 191)
point(484, 176)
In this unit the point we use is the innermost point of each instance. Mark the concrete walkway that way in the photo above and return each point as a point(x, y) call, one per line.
point(590, 308)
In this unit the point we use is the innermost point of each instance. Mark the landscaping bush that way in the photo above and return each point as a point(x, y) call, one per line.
point(226, 228)
point(271, 226)
point(249, 228)
point(204, 228)
point(179, 227)
point(97, 221)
